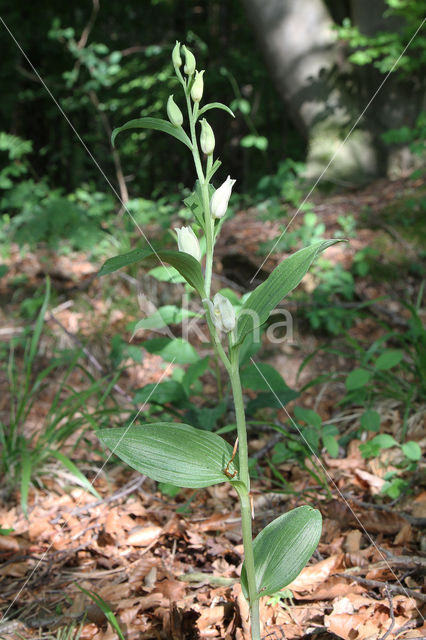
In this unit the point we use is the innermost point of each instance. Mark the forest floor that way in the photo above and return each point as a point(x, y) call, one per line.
point(169, 567)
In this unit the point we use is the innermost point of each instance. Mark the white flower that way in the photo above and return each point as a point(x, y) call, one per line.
point(220, 198)
point(222, 313)
point(188, 242)
point(207, 141)
point(197, 87)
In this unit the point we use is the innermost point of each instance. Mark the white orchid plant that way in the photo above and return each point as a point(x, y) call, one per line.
point(179, 453)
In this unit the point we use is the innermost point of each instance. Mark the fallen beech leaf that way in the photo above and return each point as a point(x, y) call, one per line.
point(352, 542)
point(143, 536)
point(9, 543)
point(313, 575)
point(370, 481)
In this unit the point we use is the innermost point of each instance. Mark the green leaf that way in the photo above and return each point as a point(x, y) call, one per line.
point(279, 283)
point(388, 359)
point(160, 393)
point(186, 264)
point(412, 450)
point(167, 274)
point(154, 123)
point(384, 441)
point(357, 378)
point(175, 350)
point(331, 445)
point(39, 322)
point(309, 416)
point(105, 608)
point(262, 377)
point(193, 372)
point(282, 549)
point(272, 400)
point(69, 464)
point(162, 317)
point(370, 420)
point(172, 452)
point(26, 469)
point(215, 105)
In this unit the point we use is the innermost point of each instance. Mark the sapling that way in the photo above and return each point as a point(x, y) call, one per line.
point(179, 453)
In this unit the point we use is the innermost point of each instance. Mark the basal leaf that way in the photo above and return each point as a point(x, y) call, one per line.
point(187, 266)
point(283, 548)
point(172, 452)
point(154, 123)
point(279, 283)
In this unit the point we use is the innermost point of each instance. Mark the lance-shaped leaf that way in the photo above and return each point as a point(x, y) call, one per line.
point(279, 283)
point(216, 105)
point(172, 452)
point(154, 123)
point(282, 549)
point(187, 266)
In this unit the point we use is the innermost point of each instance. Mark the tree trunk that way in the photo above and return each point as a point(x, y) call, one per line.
point(303, 56)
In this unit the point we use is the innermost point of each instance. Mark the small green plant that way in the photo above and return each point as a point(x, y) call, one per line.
point(412, 453)
point(22, 456)
point(179, 453)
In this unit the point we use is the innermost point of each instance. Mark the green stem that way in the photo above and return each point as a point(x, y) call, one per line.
point(244, 493)
point(249, 561)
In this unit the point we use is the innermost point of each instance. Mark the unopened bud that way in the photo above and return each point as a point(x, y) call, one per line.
point(190, 63)
point(197, 87)
point(222, 313)
point(207, 141)
point(174, 113)
point(220, 198)
point(188, 242)
point(176, 59)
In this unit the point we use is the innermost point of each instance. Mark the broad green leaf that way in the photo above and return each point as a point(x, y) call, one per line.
point(331, 445)
point(172, 452)
point(357, 378)
point(282, 549)
point(206, 417)
point(162, 317)
point(262, 377)
point(388, 359)
point(412, 450)
point(154, 123)
point(215, 105)
point(167, 274)
point(384, 441)
point(175, 350)
point(80, 478)
point(279, 283)
point(272, 400)
point(160, 393)
point(193, 372)
point(370, 420)
point(187, 266)
point(105, 608)
point(309, 416)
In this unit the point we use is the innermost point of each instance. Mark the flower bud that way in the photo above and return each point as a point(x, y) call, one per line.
point(174, 113)
point(220, 198)
point(207, 140)
point(190, 63)
point(222, 313)
point(176, 59)
point(197, 87)
point(188, 242)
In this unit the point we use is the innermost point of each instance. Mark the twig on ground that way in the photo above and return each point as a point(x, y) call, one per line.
point(130, 487)
point(391, 614)
point(376, 584)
